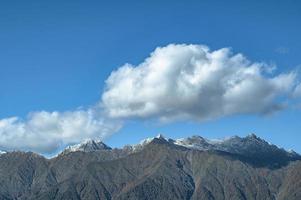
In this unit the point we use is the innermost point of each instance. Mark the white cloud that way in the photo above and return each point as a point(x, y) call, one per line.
point(282, 50)
point(297, 92)
point(192, 82)
point(47, 132)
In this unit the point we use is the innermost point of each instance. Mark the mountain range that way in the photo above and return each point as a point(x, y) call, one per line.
point(156, 168)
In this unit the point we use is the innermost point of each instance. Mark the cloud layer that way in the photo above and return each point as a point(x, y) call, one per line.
point(47, 132)
point(179, 82)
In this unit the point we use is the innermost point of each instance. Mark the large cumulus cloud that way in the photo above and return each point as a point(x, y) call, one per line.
point(191, 82)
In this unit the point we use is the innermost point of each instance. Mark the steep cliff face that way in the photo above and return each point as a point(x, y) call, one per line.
point(158, 169)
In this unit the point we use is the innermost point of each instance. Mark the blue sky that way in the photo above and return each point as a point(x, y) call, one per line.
point(56, 56)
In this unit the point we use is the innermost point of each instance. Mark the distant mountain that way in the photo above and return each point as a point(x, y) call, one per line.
point(156, 168)
point(251, 147)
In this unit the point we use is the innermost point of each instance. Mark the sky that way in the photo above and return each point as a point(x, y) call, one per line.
point(123, 71)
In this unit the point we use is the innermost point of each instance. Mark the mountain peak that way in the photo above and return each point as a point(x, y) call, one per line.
point(87, 146)
point(253, 136)
point(160, 136)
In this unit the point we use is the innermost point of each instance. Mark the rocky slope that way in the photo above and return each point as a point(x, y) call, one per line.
point(157, 168)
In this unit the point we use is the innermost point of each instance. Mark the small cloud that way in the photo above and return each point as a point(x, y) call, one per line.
point(297, 92)
point(47, 132)
point(282, 50)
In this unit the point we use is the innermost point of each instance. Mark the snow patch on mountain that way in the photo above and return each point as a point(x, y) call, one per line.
point(143, 143)
point(251, 145)
point(87, 146)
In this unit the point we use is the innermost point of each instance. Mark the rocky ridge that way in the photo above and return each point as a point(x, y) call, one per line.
point(157, 168)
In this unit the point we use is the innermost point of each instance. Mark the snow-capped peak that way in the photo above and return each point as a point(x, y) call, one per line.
point(198, 142)
point(160, 136)
point(250, 145)
point(87, 146)
point(2, 152)
point(148, 140)
point(143, 143)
